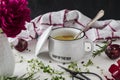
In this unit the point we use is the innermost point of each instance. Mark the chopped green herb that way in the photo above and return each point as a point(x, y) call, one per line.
point(58, 78)
point(88, 63)
point(36, 65)
point(74, 66)
point(23, 77)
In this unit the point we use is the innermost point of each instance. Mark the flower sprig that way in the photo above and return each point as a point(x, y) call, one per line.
point(100, 50)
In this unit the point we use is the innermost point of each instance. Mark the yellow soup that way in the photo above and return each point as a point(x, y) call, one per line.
point(65, 37)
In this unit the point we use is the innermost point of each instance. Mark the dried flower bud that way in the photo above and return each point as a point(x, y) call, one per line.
point(22, 45)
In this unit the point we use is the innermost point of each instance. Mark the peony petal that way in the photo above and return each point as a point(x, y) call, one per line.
point(113, 68)
point(116, 75)
point(118, 62)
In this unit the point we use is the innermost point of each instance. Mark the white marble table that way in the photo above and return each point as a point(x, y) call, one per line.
point(102, 61)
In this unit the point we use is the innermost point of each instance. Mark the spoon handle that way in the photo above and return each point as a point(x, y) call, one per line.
point(98, 16)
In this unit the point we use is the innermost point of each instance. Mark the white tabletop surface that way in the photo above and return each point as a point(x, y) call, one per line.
point(20, 68)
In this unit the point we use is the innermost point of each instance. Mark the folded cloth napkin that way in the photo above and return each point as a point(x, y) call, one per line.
point(70, 18)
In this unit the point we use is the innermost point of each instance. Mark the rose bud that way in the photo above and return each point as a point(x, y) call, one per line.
point(113, 51)
point(22, 45)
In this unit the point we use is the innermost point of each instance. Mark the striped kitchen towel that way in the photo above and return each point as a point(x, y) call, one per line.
point(102, 30)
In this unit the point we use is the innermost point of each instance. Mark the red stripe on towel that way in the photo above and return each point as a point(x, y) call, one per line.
point(34, 29)
point(57, 24)
point(50, 18)
point(112, 34)
point(64, 17)
point(112, 28)
point(79, 23)
point(51, 24)
point(31, 37)
point(116, 37)
point(45, 24)
point(98, 39)
point(39, 18)
point(34, 25)
point(98, 35)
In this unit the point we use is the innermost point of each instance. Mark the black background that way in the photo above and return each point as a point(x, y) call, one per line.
point(87, 7)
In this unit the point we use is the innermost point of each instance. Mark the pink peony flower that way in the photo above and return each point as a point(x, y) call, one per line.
point(13, 15)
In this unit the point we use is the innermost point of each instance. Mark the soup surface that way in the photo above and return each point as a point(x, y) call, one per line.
point(65, 37)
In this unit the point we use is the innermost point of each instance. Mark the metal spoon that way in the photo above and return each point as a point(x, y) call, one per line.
point(98, 16)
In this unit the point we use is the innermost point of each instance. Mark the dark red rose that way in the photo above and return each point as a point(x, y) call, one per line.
point(13, 15)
